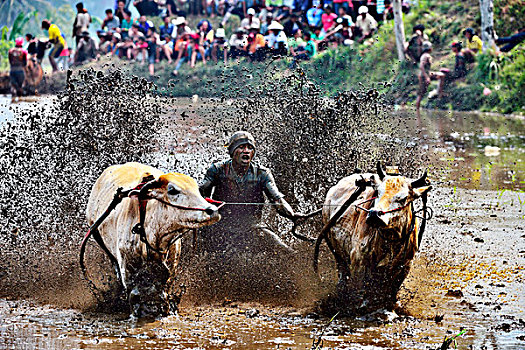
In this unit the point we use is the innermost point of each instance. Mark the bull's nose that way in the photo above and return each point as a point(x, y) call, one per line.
point(373, 218)
point(210, 210)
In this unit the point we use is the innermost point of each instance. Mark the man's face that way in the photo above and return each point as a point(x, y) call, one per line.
point(243, 154)
point(110, 15)
point(121, 5)
point(142, 19)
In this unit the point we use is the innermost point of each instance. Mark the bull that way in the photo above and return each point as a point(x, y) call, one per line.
point(141, 234)
point(375, 238)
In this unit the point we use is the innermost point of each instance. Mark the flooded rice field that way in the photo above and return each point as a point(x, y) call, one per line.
point(468, 275)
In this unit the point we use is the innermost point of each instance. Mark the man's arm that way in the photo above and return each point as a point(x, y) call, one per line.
point(210, 181)
point(276, 197)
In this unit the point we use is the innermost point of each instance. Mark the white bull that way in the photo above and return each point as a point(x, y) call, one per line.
point(174, 204)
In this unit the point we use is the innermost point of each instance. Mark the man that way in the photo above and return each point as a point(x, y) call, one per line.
point(220, 46)
point(81, 23)
point(111, 22)
point(314, 15)
point(292, 25)
point(244, 259)
point(365, 23)
point(17, 60)
point(86, 49)
point(247, 22)
point(166, 28)
point(240, 180)
point(237, 43)
point(256, 46)
point(425, 75)
point(125, 24)
point(415, 44)
point(57, 40)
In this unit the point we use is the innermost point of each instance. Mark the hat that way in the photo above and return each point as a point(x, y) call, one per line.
point(255, 25)
point(456, 44)
point(251, 11)
point(117, 36)
point(427, 45)
point(19, 41)
point(220, 33)
point(178, 21)
point(363, 9)
point(238, 139)
point(275, 26)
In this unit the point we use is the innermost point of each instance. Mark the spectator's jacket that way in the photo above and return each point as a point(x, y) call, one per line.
point(367, 24)
point(475, 43)
point(314, 16)
point(55, 36)
point(81, 23)
point(17, 59)
point(166, 30)
point(112, 24)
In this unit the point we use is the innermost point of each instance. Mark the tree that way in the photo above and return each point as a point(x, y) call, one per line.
point(487, 23)
point(399, 29)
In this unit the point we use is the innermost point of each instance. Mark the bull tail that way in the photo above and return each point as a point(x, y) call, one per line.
point(316, 251)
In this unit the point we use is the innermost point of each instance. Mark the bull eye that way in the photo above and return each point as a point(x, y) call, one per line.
point(172, 190)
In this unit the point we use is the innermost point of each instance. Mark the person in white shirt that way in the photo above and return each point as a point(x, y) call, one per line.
point(365, 23)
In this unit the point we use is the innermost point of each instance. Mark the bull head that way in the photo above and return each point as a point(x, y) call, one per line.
point(391, 209)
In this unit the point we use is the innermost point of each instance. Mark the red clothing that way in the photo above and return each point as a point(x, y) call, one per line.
point(17, 58)
point(328, 20)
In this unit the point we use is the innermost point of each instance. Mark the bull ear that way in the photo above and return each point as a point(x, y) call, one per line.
point(380, 171)
point(418, 192)
point(422, 181)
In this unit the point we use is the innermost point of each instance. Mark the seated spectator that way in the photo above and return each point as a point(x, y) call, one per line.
point(147, 7)
point(318, 37)
point(365, 24)
point(114, 44)
point(125, 48)
point(285, 10)
point(414, 47)
point(304, 52)
point(180, 27)
point(135, 33)
point(165, 48)
point(125, 24)
point(295, 41)
point(314, 15)
point(292, 24)
point(220, 46)
point(343, 14)
point(266, 23)
point(426, 75)
point(346, 5)
point(460, 66)
point(238, 43)
point(328, 18)
point(140, 48)
point(182, 51)
point(256, 45)
point(166, 28)
point(111, 22)
point(143, 24)
point(86, 49)
point(474, 43)
point(511, 41)
point(104, 42)
point(341, 34)
point(276, 40)
point(206, 35)
point(197, 51)
point(247, 22)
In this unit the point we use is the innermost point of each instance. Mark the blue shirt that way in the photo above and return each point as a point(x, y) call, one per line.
point(313, 16)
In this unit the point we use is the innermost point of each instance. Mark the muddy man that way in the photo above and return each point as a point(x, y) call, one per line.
point(240, 180)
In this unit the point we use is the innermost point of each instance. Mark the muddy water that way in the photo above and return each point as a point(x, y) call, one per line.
point(470, 269)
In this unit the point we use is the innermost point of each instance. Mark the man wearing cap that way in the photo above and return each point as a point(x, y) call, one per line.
point(17, 61)
point(237, 43)
point(249, 20)
point(240, 180)
point(219, 46)
point(365, 23)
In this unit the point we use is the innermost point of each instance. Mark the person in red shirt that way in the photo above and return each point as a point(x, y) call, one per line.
point(328, 18)
point(18, 61)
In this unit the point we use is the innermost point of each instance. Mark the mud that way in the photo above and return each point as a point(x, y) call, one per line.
point(466, 271)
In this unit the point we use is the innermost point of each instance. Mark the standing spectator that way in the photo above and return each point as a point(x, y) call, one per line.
point(474, 43)
point(247, 22)
point(315, 14)
point(119, 10)
point(147, 7)
point(365, 24)
point(292, 24)
point(238, 43)
point(171, 8)
point(57, 40)
point(235, 7)
point(220, 46)
point(272, 6)
point(86, 49)
point(425, 75)
point(328, 18)
point(17, 61)
point(151, 40)
point(414, 48)
point(81, 23)
point(111, 22)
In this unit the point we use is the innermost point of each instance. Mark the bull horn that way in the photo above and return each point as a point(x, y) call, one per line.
point(380, 171)
point(147, 186)
point(422, 181)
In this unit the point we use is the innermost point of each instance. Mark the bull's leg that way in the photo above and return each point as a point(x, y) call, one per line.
point(114, 260)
